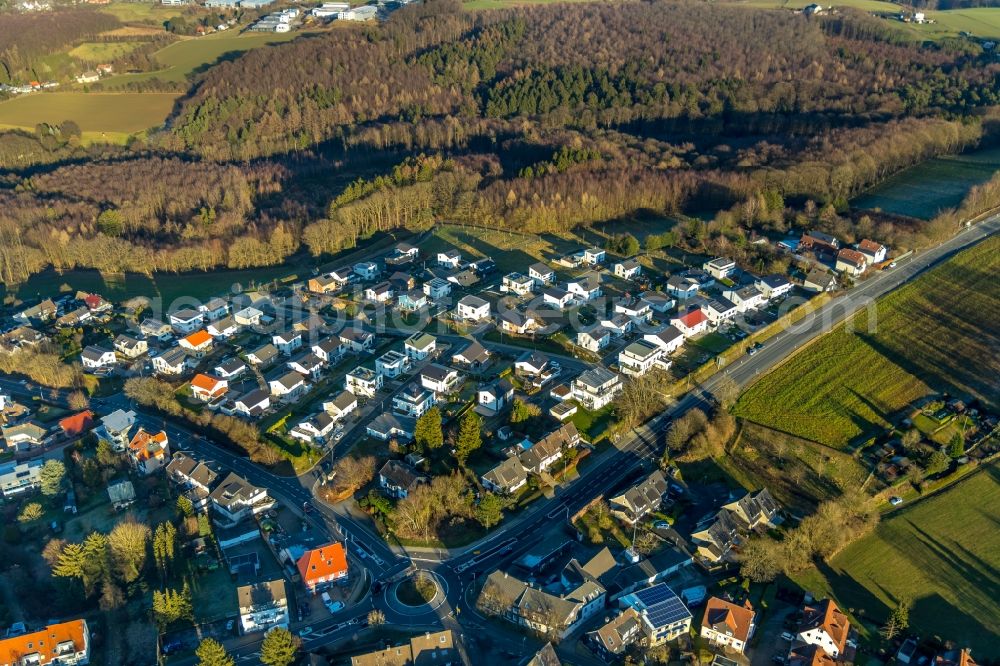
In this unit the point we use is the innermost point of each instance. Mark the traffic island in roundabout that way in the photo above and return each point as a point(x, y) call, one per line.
point(422, 592)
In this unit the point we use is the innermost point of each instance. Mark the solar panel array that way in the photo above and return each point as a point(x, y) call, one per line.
point(663, 607)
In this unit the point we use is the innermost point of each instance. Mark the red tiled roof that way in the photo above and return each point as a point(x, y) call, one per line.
point(828, 617)
point(43, 642)
point(852, 257)
point(324, 562)
point(198, 338)
point(870, 246)
point(693, 318)
point(737, 618)
point(205, 382)
point(77, 424)
point(147, 445)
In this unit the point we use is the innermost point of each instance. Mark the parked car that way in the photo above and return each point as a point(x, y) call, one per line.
point(787, 636)
point(331, 605)
point(305, 631)
point(895, 501)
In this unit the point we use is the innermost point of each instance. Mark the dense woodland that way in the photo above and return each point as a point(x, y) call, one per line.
point(535, 119)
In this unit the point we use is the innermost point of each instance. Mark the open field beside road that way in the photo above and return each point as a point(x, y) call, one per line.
point(943, 553)
point(112, 114)
point(938, 333)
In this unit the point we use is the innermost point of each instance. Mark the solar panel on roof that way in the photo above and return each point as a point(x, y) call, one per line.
point(668, 612)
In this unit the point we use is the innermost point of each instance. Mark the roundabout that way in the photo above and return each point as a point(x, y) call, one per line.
point(422, 593)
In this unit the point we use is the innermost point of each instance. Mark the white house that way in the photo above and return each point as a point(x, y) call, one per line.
point(288, 386)
point(517, 283)
point(690, 324)
point(263, 355)
point(171, 362)
point(356, 339)
point(682, 287)
point(389, 425)
point(585, 288)
point(186, 321)
point(392, 364)
point(669, 339)
point(449, 259)
point(745, 298)
point(215, 308)
point(248, 316)
point(594, 256)
point(557, 297)
point(531, 364)
point(874, 252)
point(223, 328)
point(636, 309)
point(419, 346)
point(366, 270)
point(773, 286)
point(287, 342)
point(342, 405)
point(380, 293)
point(658, 301)
point(130, 347)
point(720, 268)
point(154, 328)
point(823, 624)
point(230, 368)
point(519, 323)
point(629, 269)
point(413, 401)
point(727, 624)
point(98, 357)
point(640, 357)
point(313, 428)
point(594, 339)
point(596, 388)
point(253, 404)
point(618, 325)
point(472, 308)
point(719, 310)
point(362, 381)
point(263, 606)
point(440, 379)
point(495, 396)
point(541, 274)
point(507, 477)
point(851, 262)
point(207, 388)
point(437, 288)
point(329, 349)
point(307, 364)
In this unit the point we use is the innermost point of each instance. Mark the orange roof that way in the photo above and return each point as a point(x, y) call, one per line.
point(810, 655)
point(827, 616)
point(198, 338)
point(44, 642)
point(720, 613)
point(323, 562)
point(149, 445)
point(77, 424)
point(693, 318)
point(870, 245)
point(205, 382)
point(852, 257)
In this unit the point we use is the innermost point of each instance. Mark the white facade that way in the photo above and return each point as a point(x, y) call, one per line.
point(473, 308)
point(363, 382)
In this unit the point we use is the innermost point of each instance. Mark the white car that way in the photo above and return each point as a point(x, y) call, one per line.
point(331, 605)
point(895, 501)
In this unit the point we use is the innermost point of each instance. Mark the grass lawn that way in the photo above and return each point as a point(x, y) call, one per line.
point(943, 553)
point(939, 333)
point(108, 115)
point(142, 12)
point(102, 51)
point(593, 425)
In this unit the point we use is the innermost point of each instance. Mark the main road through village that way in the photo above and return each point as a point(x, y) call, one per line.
point(455, 570)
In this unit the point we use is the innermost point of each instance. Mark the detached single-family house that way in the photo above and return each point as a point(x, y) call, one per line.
point(322, 567)
point(507, 477)
point(235, 499)
point(18, 477)
point(41, 313)
point(541, 274)
point(22, 436)
point(223, 328)
point(356, 339)
point(440, 379)
point(825, 625)
point(362, 381)
point(728, 625)
point(197, 344)
point(172, 362)
point(343, 404)
point(635, 309)
point(690, 324)
point(248, 316)
point(253, 404)
point(719, 310)
point(288, 386)
point(366, 270)
point(557, 297)
point(594, 338)
point(818, 242)
point(130, 347)
point(594, 256)
point(640, 357)
point(398, 480)
point(658, 301)
point(596, 388)
point(745, 298)
point(413, 401)
point(585, 288)
point(517, 283)
point(186, 321)
point(392, 364)
point(115, 429)
point(664, 615)
point(475, 357)
point(263, 606)
point(412, 300)
point(616, 635)
point(328, 349)
point(641, 499)
point(156, 329)
point(403, 253)
point(437, 288)
point(98, 357)
point(263, 356)
point(449, 259)
point(419, 346)
point(495, 396)
point(307, 364)
point(207, 388)
point(682, 287)
point(380, 293)
point(618, 325)
point(773, 286)
point(720, 268)
point(313, 428)
point(326, 283)
point(287, 342)
point(851, 262)
point(629, 269)
point(148, 451)
point(669, 339)
point(230, 368)
point(214, 309)
point(819, 281)
point(517, 322)
point(874, 252)
point(388, 426)
point(472, 308)
point(531, 364)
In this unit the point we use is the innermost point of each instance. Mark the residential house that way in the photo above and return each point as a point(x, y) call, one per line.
point(327, 283)
point(475, 357)
point(287, 342)
point(366, 270)
point(230, 368)
point(412, 300)
point(22, 436)
point(223, 329)
point(413, 401)
point(98, 357)
point(75, 424)
point(388, 426)
point(483, 266)
point(263, 356)
point(773, 286)
point(585, 288)
point(38, 314)
point(636, 309)
point(196, 478)
point(207, 388)
point(173, 362)
point(253, 404)
point(594, 338)
point(669, 339)
point(288, 387)
point(718, 535)
point(851, 262)
point(322, 567)
point(356, 339)
point(594, 256)
point(18, 477)
point(495, 396)
point(557, 297)
point(745, 298)
point(517, 322)
point(874, 252)
point(682, 287)
point(541, 274)
point(617, 634)
point(449, 259)
point(130, 347)
point(819, 281)
point(640, 357)
point(596, 388)
point(363, 382)
point(517, 283)
point(719, 310)
point(641, 499)
point(955, 657)
point(75, 318)
point(62, 644)
point(690, 324)
point(197, 344)
point(398, 479)
point(115, 429)
point(727, 624)
point(214, 309)
point(825, 626)
point(629, 269)
point(664, 615)
point(307, 364)
point(382, 292)
point(235, 498)
point(343, 404)
point(546, 612)
point(440, 379)
point(818, 242)
point(392, 364)
point(406, 250)
point(263, 606)
point(803, 654)
point(659, 302)
point(314, 428)
point(472, 308)
point(419, 346)
point(720, 268)
point(507, 477)
point(659, 566)
point(618, 325)
point(186, 321)
point(248, 316)
point(437, 288)
point(540, 456)
point(755, 510)
point(328, 349)
point(437, 649)
point(148, 451)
